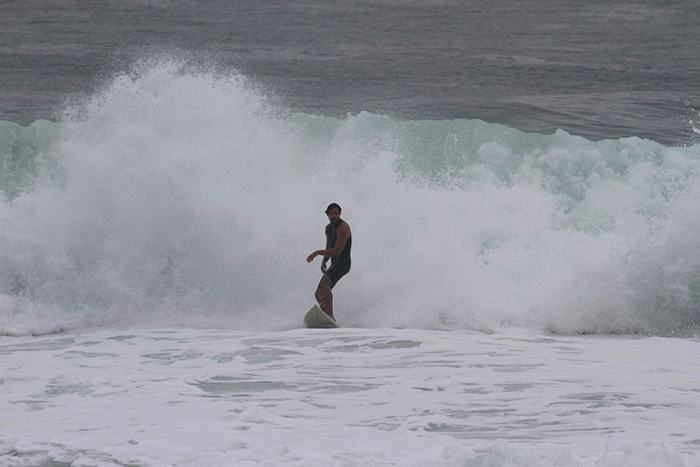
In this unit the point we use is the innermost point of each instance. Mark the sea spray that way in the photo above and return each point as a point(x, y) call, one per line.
point(179, 197)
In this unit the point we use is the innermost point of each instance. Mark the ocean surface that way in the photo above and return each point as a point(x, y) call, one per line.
point(596, 69)
point(521, 179)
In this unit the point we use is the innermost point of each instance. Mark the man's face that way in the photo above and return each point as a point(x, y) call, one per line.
point(333, 215)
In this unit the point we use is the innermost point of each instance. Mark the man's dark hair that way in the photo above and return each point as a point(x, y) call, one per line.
point(331, 206)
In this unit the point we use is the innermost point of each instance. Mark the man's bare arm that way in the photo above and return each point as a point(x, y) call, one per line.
point(343, 234)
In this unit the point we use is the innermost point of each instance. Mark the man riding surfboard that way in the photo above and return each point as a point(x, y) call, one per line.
point(338, 246)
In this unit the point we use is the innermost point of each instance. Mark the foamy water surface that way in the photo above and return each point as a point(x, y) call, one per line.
point(347, 397)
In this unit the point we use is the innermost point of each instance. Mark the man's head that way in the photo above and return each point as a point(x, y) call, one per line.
point(333, 212)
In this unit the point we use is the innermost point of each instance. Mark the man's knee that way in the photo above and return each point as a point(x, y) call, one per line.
point(324, 288)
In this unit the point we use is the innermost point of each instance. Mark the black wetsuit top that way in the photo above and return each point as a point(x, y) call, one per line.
point(332, 236)
point(340, 265)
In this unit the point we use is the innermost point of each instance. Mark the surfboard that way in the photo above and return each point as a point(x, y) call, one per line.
point(316, 318)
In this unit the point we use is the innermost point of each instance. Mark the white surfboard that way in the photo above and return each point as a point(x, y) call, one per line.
point(316, 318)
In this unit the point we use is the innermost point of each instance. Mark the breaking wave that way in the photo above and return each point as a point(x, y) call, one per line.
point(186, 197)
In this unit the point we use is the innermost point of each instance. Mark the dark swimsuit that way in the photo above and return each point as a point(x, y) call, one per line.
point(340, 265)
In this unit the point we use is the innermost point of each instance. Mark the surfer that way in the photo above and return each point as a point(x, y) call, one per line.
point(338, 246)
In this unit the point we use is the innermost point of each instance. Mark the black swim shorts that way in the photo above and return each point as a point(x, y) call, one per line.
point(337, 270)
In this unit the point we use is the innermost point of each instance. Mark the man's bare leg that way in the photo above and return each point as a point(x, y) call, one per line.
point(324, 296)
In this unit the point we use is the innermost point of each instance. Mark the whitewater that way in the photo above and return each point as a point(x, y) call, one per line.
point(516, 298)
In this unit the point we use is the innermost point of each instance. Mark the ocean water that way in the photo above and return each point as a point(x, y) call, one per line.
point(593, 69)
point(357, 397)
point(521, 180)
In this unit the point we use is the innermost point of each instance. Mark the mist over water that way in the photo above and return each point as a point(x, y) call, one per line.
point(185, 197)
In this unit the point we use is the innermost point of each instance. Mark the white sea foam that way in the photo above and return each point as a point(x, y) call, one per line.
point(349, 397)
point(181, 197)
